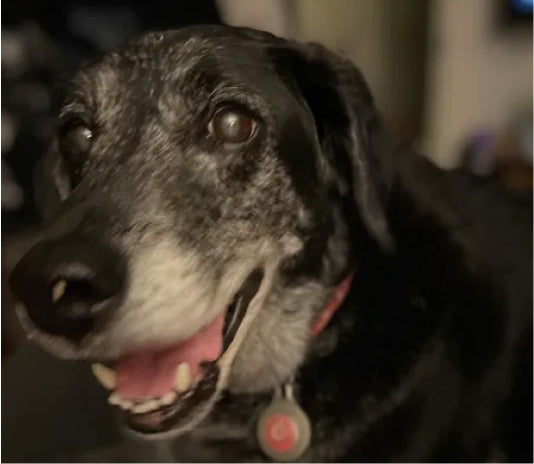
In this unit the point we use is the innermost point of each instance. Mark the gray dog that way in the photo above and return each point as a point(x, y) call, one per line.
point(226, 225)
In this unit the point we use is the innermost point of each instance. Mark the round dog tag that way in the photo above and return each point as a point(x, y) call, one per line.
point(283, 430)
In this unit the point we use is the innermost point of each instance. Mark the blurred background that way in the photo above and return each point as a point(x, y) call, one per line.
point(453, 78)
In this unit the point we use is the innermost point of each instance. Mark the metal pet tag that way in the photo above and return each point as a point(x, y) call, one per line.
point(283, 429)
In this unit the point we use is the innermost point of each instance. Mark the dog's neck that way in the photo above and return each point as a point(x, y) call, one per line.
point(370, 362)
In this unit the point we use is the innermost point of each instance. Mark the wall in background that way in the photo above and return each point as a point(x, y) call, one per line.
point(479, 74)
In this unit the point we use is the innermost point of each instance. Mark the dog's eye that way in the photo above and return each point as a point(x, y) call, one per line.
point(76, 141)
point(230, 125)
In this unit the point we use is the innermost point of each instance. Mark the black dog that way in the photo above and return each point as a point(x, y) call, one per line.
point(207, 192)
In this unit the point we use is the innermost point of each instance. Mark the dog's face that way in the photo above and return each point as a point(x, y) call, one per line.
point(194, 196)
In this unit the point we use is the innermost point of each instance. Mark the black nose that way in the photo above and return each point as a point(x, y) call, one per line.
point(68, 286)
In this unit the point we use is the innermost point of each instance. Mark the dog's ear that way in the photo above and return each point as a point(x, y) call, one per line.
point(349, 127)
point(51, 185)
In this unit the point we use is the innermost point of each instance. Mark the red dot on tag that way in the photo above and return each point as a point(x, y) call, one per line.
point(281, 432)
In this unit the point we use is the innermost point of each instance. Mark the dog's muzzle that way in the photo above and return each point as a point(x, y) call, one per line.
point(68, 289)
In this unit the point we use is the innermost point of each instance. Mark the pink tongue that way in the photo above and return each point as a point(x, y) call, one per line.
point(150, 373)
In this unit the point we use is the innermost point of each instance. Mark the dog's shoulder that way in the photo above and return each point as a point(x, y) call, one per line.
point(426, 339)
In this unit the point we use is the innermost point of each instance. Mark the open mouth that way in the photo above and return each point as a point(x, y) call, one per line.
point(173, 388)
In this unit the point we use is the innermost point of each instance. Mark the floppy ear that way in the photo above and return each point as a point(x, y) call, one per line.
point(51, 185)
point(350, 129)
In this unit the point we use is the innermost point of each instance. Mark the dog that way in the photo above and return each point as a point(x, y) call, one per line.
point(231, 229)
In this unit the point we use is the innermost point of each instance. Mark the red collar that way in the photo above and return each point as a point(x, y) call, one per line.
point(340, 292)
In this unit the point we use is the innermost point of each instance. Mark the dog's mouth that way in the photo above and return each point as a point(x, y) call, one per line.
point(173, 388)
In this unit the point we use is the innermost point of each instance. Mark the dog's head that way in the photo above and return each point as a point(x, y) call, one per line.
point(199, 197)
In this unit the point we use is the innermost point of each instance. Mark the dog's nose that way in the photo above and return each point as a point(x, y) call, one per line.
point(68, 286)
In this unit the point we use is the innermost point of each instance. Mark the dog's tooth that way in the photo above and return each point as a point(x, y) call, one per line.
point(114, 399)
point(105, 375)
point(168, 398)
point(182, 377)
point(145, 407)
point(137, 408)
point(125, 404)
point(58, 290)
